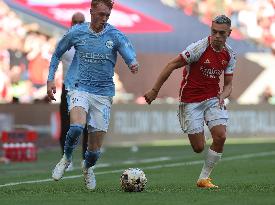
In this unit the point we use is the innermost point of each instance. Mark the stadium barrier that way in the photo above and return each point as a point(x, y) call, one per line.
point(139, 123)
point(19, 145)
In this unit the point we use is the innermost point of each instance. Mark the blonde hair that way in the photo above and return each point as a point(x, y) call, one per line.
point(108, 3)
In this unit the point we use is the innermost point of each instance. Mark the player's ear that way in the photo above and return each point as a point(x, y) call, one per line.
point(229, 32)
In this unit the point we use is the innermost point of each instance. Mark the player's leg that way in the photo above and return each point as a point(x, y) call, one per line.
point(78, 112)
point(212, 156)
point(191, 117)
point(197, 141)
point(92, 154)
point(98, 122)
point(84, 141)
point(218, 133)
point(95, 140)
point(78, 120)
point(65, 122)
point(216, 119)
point(64, 118)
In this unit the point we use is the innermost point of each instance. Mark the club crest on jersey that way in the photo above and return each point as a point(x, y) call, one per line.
point(187, 54)
point(109, 44)
point(224, 62)
point(82, 42)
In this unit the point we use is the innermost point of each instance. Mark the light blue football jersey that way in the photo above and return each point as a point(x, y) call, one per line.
point(92, 68)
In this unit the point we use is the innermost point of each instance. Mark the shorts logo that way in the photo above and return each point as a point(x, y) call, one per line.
point(187, 54)
point(74, 100)
point(109, 44)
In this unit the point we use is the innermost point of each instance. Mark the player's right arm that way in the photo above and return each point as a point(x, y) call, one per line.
point(64, 44)
point(127, 51)
point(191, 54)
point(175, 63)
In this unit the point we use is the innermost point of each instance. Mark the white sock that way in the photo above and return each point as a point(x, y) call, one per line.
point(211, 159)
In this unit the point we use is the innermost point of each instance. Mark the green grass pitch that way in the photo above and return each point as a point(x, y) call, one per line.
point(246, 176)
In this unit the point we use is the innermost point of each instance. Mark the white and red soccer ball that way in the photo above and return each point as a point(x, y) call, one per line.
point(133, 180)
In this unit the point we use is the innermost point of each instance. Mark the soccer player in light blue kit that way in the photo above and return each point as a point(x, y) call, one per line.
point(77, 18)
point(91, 78)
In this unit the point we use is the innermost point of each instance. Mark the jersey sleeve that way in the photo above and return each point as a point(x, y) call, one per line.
point(63, 45)
point(194, 51)
point(126, 50)
point(231, 64)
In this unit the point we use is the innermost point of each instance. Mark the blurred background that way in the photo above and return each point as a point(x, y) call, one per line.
point(159, 30)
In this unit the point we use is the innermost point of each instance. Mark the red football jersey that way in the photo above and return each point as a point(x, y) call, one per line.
point(201, 76)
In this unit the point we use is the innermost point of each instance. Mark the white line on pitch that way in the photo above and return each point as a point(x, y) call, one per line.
point(244, 156)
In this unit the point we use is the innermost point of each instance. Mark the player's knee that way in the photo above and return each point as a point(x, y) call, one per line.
point(94, 146)
point(197, 140)
point(219, 139)
point(219, 134)
point(74, 133)
point(76, 130)
point(198, 148)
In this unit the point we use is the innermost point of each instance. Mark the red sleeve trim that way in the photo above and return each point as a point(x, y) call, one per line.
point(228, 74)
point(183, 59)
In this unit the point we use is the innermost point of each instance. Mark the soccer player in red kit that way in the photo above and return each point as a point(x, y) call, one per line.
point(201, 99)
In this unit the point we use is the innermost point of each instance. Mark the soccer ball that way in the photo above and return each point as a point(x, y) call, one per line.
point(133, 180)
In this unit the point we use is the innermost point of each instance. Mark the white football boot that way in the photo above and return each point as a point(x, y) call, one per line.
point(70, 167)
point(60, 168)
point(89, 178)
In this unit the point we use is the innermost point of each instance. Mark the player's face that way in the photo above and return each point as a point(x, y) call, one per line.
point(219, 34)
point(99, 16)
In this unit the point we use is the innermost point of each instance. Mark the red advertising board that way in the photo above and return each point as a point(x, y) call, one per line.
point(126, 19)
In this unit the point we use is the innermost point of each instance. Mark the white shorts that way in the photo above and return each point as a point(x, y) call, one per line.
point(193, 115)
point(97, 107)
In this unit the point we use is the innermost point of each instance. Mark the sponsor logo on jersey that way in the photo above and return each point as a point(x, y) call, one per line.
point(210, 72)
point(94, 57)
point(207, 61)
point(109, 44)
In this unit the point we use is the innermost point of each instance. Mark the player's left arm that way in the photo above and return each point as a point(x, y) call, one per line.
point(227, 89)
point(228, 78)
point(172, 65)
point(126, 50)
point(64, 44)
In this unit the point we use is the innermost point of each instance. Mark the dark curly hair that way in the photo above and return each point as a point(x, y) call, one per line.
point(108, 3)
point(222, 19)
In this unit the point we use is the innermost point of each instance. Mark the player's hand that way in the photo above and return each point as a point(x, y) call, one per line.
point(221, 100)
point(51, 90)
point(150, 96)
point(134, 68)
